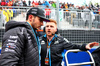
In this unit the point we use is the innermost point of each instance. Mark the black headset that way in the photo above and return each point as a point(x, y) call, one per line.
point(55, 32)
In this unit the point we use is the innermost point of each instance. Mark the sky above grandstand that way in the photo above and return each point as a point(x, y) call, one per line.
point(75, 2)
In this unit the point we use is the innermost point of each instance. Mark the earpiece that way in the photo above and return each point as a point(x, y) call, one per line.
point(43, 29)
point(56, 32)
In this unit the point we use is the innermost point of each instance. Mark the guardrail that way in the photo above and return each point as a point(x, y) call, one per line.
point(76, 18)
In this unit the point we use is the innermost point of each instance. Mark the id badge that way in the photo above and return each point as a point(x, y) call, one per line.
point(46, 61)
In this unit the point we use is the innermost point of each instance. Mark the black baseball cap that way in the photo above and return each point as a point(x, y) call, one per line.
point(38, 12)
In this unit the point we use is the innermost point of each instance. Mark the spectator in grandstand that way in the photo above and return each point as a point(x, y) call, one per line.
point(20, 44)
point(46, 3)
point(86, 9)
point(29, 3)
point(53, 4)
point(47, 11)
point(99, 10)
point(73, 12)
point(66, 13)
point(10, 3)
point(20, 3)
point(63, 6)
point(86, 16)
point(3, 3)
point(36, 3)
point(97, 5)
point(15, 3)
point(24, 3)
point(39, 2)
point(60, 4)
point(68, 4)
point(3, 18)
point(0, 2)
point(6, 1)
point(53, 45)
point(6, 14)
point(33, 4)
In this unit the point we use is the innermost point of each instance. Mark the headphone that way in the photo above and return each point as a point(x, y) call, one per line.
point(55, 32)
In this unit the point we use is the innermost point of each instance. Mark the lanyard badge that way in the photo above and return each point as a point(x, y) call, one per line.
point(47, 58)
point(46, 61)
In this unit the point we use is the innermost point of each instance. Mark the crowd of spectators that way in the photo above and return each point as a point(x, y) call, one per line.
point(23, 3)
point(13, 3)
point(47, 6)
point(47, 3)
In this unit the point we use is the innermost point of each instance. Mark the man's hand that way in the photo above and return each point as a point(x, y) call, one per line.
point(90, 45)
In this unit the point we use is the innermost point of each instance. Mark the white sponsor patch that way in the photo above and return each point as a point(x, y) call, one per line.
point(11, 44)
point(33, 12)
point(42, 42)
point(7, 49)
point(56, 42)
point(29, 37)
point(66, 40)
point(34, 9)
point(12, 40)
point(13, 36)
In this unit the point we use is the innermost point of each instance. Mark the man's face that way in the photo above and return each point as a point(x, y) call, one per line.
point(37, 22)
point(51, 28)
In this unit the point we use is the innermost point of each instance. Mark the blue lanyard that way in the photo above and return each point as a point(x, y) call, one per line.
point(39, 48)
point(49, 49)
point(38, 43)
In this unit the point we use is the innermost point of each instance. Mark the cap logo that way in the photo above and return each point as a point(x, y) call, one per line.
point(34, 9)
point(33, 12)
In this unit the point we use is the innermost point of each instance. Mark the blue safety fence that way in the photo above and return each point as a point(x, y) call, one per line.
point(78, 57)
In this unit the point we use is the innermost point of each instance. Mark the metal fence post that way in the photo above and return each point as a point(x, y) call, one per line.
point(90, 22)
point(58, 13)
point(1, 19)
